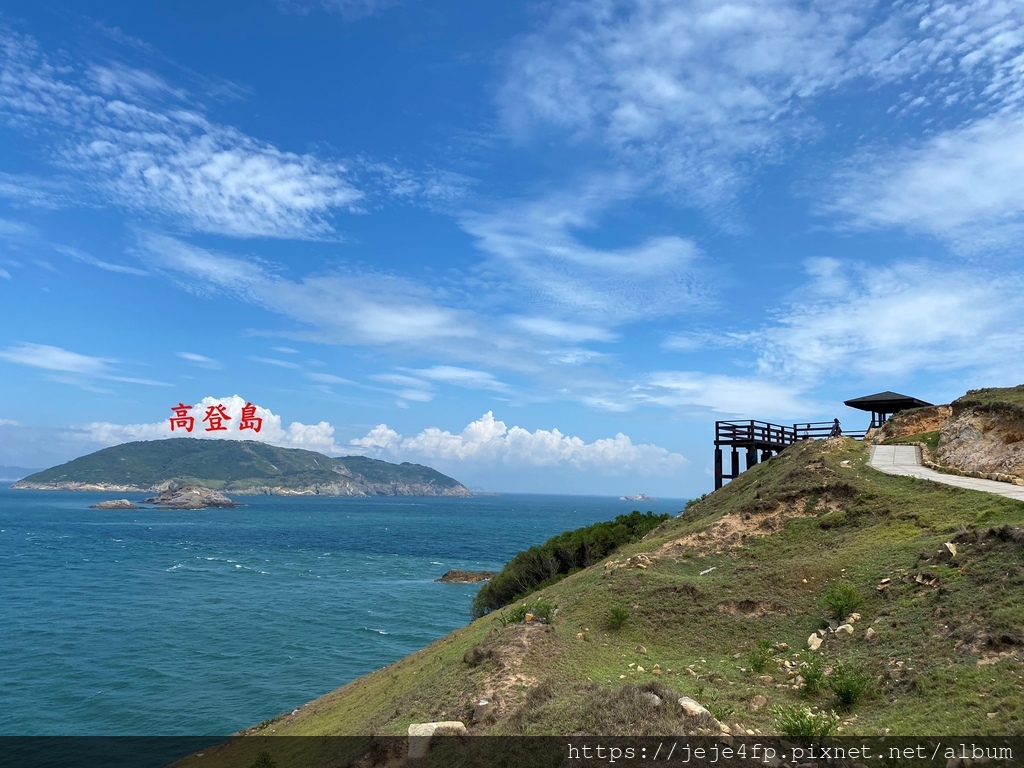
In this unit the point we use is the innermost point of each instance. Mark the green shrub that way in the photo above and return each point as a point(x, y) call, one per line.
point(803, 723)
point(813, 673)
point(761, 657)
point(559, 556)
point(542, 610)
point(616, 617)
point(709, 700)
point(848, 686)
point(842, 600)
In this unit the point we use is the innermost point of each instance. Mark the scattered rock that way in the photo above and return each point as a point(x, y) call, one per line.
point(654, 698)
point(757, 702)
point(852, 618)
point(883, 585)
point(640, 669)
point(692, 707)
point(844, 629)
point(814, 642)
point(870, 635)
point(114, 504)
point(420, 735)
point(481, 709)
point(641, 649)
point(766, 679)
point(580, 636)
point(459, 576)
point(529, 617)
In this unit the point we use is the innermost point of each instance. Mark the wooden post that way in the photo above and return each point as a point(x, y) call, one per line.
point(735, 464)
point(718, 467)
point(751, 456)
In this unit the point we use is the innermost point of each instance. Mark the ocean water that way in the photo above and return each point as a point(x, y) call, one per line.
point(205, 622)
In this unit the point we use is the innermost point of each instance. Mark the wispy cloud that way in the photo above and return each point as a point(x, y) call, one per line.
point(201, 360)
point(347, 9)
point(490, 441)
point(462, 377)
point(273, 361)
point(537, 246)
point(86, 258)
point(69, 367)
point(114, 127)
point(695, 96)
point(965, 186)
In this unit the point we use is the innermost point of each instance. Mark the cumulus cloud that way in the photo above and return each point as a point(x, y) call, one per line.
point(314, 437)
point(489, 441)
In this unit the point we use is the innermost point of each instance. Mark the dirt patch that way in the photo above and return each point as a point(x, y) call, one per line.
point(912, 422)
point(752, 608)
point(731, 531)
point(507, 686)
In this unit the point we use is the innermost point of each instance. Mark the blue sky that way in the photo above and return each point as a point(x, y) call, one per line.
point(539, 246)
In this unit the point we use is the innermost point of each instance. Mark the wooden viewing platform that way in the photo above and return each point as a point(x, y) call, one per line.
point(761, 440)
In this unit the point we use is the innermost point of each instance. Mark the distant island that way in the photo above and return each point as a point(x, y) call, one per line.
point(241, 467)
point(637, 497)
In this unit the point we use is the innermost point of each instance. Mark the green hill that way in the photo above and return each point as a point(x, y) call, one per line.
point(240, 467)
point(719, 605)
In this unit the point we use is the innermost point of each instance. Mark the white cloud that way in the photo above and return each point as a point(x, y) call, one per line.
point(537, 246)
point(86, 258)
point(695, 95)
point(462, 377)
point(487, 440)
point(112, 128)
point(897, 320)
point(342, 308)
point(81, 368)
point(561, 330)
point(314, 437)
point(200, 360)
point(5, 274)
point(272, 361)
point(328, 378)
point(965, 186)
point(723, 394)
point(8, 423)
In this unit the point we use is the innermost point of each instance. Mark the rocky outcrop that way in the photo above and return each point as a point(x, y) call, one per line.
point(459, 576)
point(984, 438)
point(340, 488)
point(912, 422)
point(115, 504)
point(191, 497)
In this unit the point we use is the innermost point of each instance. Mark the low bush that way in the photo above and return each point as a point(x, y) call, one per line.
point(761, 657)
point(841, 600)
point(542, 610)
point(848, 686)
point(813, 673)
point(616, 617)
point(803, 723)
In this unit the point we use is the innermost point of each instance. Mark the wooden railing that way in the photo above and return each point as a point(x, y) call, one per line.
point(763, 433)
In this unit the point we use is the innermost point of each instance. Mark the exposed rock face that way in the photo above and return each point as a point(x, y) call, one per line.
point(984, 438)
point(458, 576)
point(345, 487)
point(912, 422)
point(114, 504)
point(191, 497)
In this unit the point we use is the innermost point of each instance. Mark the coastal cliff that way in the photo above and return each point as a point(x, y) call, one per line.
point(241, 468)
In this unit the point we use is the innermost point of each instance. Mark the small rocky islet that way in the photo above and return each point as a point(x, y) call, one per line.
point(176, 497)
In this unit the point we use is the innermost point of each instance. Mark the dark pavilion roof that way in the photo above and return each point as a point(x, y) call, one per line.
point(885, 402)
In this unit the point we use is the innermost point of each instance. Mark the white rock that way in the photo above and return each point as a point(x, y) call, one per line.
point(814, 642)
point(421, 733)
point(844, 629)
point(692, 707)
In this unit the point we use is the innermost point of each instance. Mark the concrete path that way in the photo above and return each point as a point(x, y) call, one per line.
point(906, 460)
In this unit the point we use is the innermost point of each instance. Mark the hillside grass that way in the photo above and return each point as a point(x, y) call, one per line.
point(992, 396)
point(745, 571)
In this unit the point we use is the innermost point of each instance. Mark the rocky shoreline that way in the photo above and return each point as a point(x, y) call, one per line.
point(176, 497)
point(459, 576)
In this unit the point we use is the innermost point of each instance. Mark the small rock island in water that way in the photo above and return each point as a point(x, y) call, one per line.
point(459, 576)
point(191, 497)
point(115, 504)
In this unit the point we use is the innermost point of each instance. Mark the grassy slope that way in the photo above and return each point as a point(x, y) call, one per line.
point(993, 396)
point(226, 465)
point(863, 527)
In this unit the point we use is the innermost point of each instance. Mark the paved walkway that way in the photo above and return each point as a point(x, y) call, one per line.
point(905, 460)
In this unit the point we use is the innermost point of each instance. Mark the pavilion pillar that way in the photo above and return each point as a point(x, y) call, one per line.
point(751, 457)
point(765, 455)
point(718, 467)
point(735, 463)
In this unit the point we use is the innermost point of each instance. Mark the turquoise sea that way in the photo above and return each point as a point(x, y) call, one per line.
point(205, 622)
